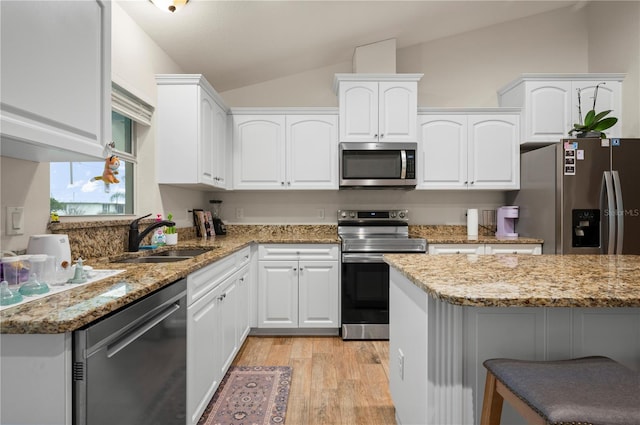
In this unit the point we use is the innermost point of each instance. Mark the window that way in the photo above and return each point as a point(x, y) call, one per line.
point(74, 191)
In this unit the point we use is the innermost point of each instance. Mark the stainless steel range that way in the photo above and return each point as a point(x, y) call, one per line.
point(366, 236)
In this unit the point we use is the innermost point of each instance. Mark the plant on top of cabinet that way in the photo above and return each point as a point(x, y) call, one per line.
point(594, 123)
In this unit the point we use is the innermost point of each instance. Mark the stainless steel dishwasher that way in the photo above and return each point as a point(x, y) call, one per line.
point(130, 367)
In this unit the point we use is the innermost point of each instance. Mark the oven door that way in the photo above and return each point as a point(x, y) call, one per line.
point(365, 296)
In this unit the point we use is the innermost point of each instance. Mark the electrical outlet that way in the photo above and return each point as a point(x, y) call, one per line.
point(401, 364)
point(320, 213)
point(239, 213)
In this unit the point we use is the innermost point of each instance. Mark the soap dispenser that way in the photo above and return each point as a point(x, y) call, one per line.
point(158, 237)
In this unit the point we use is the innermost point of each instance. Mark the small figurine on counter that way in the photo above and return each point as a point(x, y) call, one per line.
point(111, 165)
point(55, 218)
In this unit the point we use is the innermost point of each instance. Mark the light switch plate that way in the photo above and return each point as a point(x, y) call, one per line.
point(15, 221)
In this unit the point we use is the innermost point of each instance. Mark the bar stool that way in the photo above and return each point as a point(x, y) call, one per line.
point(589, 390)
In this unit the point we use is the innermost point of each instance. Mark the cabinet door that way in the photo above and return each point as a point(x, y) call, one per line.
point(203, 357)
point(358, 111)
point(438, 249)
point(278, 294)
point(442, 152)
point(56, 79)
point(609, 98)
point(398, 109)
point(258, 150)
point(312, 152)
point(527, 249)
point(318, 294)
point(219, 167)
point(227, 329)
point(244, 298)
point(494, 152)
point(548, 110)
point(206, 138)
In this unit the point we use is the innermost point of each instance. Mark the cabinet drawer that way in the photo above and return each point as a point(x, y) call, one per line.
point(317, 252)
point(531, 249)
point(438, 249)
point(203, 280)
point(242, 257)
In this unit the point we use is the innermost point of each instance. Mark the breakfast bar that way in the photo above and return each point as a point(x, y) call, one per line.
point(450, 313)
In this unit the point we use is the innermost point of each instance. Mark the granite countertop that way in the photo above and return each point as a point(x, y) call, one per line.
point(525, 280)
point(70, 310)
point(452, 234)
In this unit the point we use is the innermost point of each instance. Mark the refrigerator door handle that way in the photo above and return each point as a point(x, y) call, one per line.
point(619, 211)
point(609, 212)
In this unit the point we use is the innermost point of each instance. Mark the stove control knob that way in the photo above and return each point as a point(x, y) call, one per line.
point(352, 214)
point(343, 214)
point(401, 213)
point(393, 214)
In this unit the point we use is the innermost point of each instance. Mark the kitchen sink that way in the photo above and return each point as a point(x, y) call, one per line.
point(170, 256)
point(155, 259)
point(184, 252)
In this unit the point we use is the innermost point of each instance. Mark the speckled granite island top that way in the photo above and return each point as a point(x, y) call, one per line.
point(523, 280)
point(72, 309)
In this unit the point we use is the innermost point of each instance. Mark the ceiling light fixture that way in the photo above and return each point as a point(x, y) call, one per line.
point(169, 5)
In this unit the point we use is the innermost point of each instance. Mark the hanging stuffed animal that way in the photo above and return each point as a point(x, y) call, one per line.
point(111, 165)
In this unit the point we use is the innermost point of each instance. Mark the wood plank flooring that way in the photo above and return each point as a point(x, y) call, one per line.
point(334, 382)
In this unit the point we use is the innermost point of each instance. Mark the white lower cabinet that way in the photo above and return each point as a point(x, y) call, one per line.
point(217, 325)
point(488, 249)
point(298, 286)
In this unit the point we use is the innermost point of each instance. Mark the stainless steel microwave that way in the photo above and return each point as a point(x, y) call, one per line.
point(378, 165)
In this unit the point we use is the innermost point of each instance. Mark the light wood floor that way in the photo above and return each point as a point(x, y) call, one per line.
point(334, 381)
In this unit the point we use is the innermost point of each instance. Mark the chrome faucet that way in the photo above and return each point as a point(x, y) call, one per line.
point(135, 237)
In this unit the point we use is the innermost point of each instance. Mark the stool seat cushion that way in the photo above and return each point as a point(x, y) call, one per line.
point(589, 390)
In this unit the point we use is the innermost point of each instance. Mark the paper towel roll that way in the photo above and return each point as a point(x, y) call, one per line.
point(472, 222)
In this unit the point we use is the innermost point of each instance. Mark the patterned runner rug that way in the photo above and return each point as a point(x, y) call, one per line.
point(250, 395)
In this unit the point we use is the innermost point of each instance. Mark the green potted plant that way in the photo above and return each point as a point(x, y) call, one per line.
point(594, 123)
point(170, 232)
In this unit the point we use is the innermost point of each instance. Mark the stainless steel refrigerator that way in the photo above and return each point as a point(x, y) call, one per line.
point(582, 196)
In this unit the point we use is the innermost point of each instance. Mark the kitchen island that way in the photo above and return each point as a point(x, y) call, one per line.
point(450, 313)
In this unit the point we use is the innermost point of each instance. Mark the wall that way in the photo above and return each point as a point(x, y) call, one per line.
point(295, 207)
point(24, 184)
point(136, 59)
point(466, 70)
point(614, 44)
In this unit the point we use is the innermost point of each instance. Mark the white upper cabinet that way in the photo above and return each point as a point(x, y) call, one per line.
point(56, 79)
point(550, 103)
point(377, 107)
point(442, 152)
point(312, 151)
point(494, 154)
point(258, 152)
point(468, 151)
point(191, 133)
point(274, 151)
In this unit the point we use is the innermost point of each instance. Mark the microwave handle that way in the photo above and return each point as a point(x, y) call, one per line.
point(403, 158)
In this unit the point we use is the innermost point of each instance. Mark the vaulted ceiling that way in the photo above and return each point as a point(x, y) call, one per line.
point(237, 43)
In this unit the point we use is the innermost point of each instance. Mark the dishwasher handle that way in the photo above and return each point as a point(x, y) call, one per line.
point(141, 329)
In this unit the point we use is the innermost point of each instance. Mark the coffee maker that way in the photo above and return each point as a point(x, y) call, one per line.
point(218, 225)
point(506, 222)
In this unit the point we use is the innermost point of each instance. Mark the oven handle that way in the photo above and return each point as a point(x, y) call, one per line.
point(362, 258)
